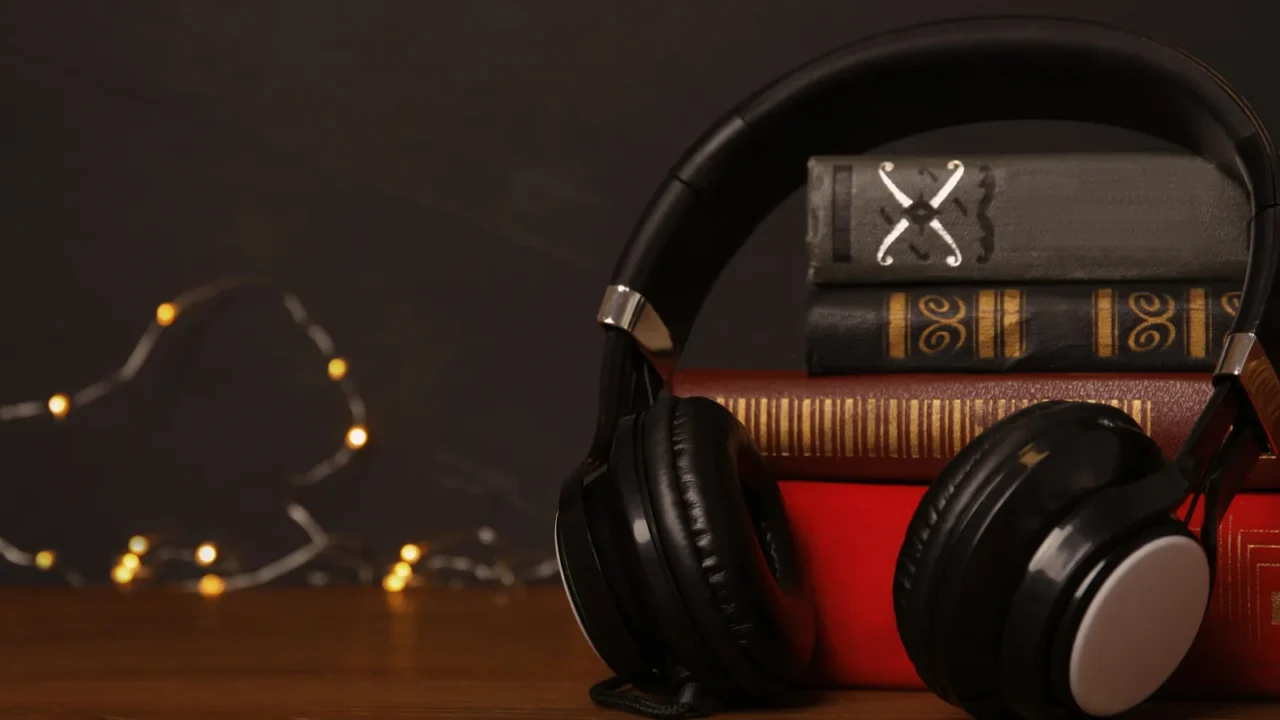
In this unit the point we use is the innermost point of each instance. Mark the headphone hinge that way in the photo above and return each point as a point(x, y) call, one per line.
point(1245, 360)
point(631, 312)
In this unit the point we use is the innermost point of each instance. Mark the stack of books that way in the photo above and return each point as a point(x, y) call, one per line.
point(948, 292)
point(1023, 263)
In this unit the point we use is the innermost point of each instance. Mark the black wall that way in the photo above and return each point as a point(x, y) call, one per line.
point(445, 185)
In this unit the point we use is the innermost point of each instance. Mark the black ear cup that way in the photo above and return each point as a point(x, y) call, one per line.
point(969, 542)
point(1127, 622)
point(728, 545)
point(679, 560)
point(937, 513)
point(603, 578)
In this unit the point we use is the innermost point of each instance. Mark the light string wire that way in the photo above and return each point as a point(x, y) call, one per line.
point(141, 559)
point(130, 564)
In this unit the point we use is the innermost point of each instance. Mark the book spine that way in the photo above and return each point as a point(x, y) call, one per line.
point(1025, 328)
point(906, 427)
point(1023, 218)
point(849, 534)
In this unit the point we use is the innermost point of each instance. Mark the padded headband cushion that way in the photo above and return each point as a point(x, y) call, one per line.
point(956, 554)
point(727, 539)
point(905, 82)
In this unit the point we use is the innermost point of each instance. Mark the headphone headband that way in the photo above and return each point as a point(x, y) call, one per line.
point(901, 83)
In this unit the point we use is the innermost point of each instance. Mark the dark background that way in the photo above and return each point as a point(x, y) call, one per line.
point(445, 185)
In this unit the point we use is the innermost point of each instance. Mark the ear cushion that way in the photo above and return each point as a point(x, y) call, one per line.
point(929, 513)
point(728, 542)
point(948, 508)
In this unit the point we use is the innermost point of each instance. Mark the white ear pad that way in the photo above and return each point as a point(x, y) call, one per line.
point(1139, 626)
point(564, 583)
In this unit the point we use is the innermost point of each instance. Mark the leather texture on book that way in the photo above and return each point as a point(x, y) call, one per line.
point(848, 535)
point(1019, 328)
point(1023, 218)
point(905, 427)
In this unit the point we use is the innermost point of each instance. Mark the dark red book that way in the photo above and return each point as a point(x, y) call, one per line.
point(904, 427)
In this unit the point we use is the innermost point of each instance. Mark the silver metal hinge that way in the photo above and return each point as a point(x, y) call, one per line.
point(1244, 358)
point(628, 310)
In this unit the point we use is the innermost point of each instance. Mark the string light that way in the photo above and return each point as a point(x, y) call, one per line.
point(357, 436)
point(122, 575)
point(142, 556)
point(337, 368)
point(131, 565)
point(402, 574)
point(45, 559)
point(211, 586)
point(393, 583)
point(138, 545)
point(59, 405)
point(166, 313)
point(411, 553)
point(206, 554)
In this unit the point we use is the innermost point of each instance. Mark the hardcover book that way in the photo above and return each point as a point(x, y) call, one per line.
point(1024, 218)
point(906, 427)
point(1019, 328)
point(848, 535)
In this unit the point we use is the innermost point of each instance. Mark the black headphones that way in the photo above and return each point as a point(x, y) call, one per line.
point(1045, 571)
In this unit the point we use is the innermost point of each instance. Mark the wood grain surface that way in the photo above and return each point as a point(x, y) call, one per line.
point(329, 654)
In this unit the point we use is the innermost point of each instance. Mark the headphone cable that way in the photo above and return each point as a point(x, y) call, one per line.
point(689, 702)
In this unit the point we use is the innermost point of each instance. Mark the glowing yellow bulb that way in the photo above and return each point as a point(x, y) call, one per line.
point(411, 553)
point(357, 436)
point(166, 313)
point(131, 561)
point(393, 583)
point(45, 559)
point(59, 405)
point(139, 545)
point(211, 586)
point(206, 554)
point(337, 369)
point(403, 569)
point(121, 575)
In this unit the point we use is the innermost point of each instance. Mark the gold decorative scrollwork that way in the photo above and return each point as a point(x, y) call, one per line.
point(946, 332)
point(1155, 330)
point(1231, 302)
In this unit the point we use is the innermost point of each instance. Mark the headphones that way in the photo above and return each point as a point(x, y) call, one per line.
point(1045, 572)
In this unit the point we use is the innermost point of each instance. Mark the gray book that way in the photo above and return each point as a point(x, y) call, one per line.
point(1024, 218)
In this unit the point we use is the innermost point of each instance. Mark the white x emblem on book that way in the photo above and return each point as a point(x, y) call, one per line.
point(957, 169)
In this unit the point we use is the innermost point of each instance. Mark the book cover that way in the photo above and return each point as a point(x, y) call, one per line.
point(849, 534)
point(905, 427)
point(1023, 218)
point(1019, 328)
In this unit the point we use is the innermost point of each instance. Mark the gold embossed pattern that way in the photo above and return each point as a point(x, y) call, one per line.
point(872, 427)
point(995, 322)
point(1249, 561)
point(946, 330)
point(1155, 329)
point(1156, 321)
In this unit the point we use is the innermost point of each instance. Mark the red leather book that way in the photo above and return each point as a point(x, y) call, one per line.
point(904, 427)
point(849, 535)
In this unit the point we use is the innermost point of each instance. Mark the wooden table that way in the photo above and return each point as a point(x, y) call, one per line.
point(329, 654)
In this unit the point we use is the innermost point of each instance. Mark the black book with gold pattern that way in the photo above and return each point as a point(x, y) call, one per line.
point(1068, 327)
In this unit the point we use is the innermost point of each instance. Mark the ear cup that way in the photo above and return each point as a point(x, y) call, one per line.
point(932, 514)
point(968, 543)
point(729, 543)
